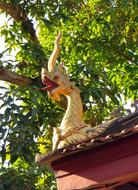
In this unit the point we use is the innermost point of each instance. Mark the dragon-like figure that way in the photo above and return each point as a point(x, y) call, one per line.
point(72, 129)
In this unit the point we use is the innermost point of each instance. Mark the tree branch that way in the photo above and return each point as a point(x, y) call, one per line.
point(24, 81)
point(15, 78)
point(19, 14)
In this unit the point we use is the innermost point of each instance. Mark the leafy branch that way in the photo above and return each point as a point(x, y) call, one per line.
point(18, 14)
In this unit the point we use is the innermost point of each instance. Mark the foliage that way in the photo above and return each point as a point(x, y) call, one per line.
point(99, 48)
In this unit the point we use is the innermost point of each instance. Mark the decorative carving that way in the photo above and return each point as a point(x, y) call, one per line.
point(72, 129)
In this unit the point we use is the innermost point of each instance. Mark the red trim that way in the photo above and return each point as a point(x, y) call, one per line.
point(97, 165)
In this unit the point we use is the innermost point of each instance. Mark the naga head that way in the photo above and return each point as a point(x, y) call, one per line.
point(55, 82)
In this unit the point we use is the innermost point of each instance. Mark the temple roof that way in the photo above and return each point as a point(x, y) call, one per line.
point(112, 130)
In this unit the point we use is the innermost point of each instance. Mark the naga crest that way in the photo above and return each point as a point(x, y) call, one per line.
point(57, 83)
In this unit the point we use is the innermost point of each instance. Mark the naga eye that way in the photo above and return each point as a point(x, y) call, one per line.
point(56, 77)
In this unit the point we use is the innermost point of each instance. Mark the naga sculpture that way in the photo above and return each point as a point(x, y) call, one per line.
point(72, 129)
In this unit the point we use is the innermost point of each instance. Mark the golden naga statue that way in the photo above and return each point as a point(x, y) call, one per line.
point(72, 129)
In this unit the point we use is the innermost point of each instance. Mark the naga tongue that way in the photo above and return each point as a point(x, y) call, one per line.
point(50, 84)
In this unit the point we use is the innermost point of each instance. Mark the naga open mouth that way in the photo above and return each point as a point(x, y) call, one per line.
point(49, 83)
